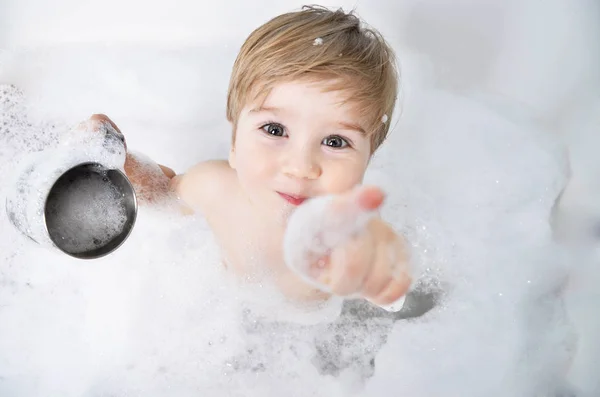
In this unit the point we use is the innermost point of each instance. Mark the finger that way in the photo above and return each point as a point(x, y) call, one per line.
point(102, 118)
point(394, 290)
point(400, 259)
point(169, 173)
point(370, 198)
point(390, 262)
point(360, 199)
point(382, 270)
point(348, 214)
point(101, 123)
point(390, 278)
point(350, 265)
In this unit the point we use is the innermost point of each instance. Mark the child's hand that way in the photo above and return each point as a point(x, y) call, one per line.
point(373, 263)
point(150, 180)
point(97, 121)
point(341, 245)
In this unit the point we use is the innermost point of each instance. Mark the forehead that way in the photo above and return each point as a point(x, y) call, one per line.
point(317, 98)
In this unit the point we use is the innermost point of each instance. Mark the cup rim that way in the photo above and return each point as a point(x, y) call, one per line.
point(101, 251)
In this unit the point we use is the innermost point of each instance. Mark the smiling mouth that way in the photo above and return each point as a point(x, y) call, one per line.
point(294, 200)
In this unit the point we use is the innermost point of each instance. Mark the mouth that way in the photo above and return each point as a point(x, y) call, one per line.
point(294, 200)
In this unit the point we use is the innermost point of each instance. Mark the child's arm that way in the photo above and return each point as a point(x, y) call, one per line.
point(152, 185)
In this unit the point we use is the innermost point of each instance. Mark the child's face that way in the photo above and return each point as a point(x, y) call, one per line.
point(301, 143)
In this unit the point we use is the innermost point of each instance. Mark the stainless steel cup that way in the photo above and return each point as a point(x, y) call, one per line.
point(47, 204)
point(102, 179)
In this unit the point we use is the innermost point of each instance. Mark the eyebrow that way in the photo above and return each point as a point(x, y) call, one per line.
point(351, 126)
point(341, 124)
point(266, 109)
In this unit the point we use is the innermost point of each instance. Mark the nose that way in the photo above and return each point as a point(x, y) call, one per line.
point(301, 164)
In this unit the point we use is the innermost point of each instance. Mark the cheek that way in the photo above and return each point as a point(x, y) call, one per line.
point(254, 164)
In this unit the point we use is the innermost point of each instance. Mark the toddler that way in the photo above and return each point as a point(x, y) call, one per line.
point(310, 99)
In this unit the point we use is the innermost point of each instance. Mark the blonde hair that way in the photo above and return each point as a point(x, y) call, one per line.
point(320, 44)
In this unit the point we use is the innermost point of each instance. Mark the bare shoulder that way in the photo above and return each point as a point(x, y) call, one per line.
point(205, 184)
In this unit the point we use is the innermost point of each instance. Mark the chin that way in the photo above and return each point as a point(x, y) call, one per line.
point(283, 213)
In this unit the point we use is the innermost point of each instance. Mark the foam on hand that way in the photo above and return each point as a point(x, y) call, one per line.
point(314, 229)
point(98, 142)
point(317, 227)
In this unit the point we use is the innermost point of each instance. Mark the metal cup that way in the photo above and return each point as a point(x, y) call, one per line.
point(102, 179)
point(76, 221)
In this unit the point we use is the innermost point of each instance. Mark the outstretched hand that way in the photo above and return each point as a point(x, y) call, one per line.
point(341, 245)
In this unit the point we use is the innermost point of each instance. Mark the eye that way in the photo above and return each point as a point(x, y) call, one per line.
point(274, 129)
point(335, 141)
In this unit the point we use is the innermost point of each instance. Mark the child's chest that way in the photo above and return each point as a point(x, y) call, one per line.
point(253, 249)
point(248, 243)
